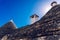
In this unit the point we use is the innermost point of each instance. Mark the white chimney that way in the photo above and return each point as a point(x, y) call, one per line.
point(54, 3)
point(34, 18)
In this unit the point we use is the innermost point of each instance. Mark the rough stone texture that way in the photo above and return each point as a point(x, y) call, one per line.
point(48, 26)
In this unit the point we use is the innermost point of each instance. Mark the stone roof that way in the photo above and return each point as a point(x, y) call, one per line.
point(9, 24)
point(47, 25)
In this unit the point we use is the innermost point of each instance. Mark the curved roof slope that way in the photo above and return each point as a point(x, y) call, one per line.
point(47, 25)
point(9, 25)
point(6, 29)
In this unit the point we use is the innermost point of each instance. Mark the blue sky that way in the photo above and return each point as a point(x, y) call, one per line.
point(21, 10)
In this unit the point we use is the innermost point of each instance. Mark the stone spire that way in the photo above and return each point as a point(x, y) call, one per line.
point(12, 22)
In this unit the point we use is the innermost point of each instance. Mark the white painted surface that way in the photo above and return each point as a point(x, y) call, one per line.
point(34, 19)
point(54, 4)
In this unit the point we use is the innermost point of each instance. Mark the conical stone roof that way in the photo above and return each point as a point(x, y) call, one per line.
point(9, 25)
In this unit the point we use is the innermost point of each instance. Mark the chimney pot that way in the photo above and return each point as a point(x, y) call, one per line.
point(34, 18)
point(54, 3)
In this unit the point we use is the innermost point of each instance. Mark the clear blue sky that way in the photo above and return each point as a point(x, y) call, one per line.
point(19, 10)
